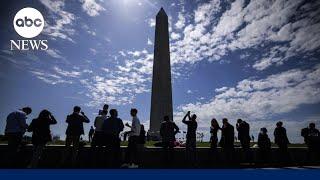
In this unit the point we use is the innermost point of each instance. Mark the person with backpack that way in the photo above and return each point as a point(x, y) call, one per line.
point(40, 128)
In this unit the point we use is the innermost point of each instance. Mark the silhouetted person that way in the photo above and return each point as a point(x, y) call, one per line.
point(99, 136)
point(227, 139)
point(40, 128)
point(15, 128)
point(99, 139)
point(243, 129)
point(131, 159)
point(168, 130)
point(281, 139)
point(264, 145)
point(252, 137)
point(214, 133)
point(191, 142)
point(112, 128)
point(91, 132)
point(74, 131)
point(214, 128)
point(311, 137)
point(142, 136)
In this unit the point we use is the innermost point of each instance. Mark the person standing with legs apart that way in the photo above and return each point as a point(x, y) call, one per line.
point(15, 128)
point(40, 128)
point(112, 128)
point(168, 131)
point(191, 138)
point(243, 129)
point(131, 159)
point(74, 131)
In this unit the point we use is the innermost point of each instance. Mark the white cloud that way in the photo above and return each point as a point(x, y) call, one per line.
point(92, 33)
point(175, 36)
point(121, 85)
point(135, 53)
point(108, 40)
point(258, 24)
point(54, 53)
point(259, 100)
point(122, 53)
point(91, 7)
point(181, 21)
point(49, 78)
point(71, 74)
point(152, 22)
point(105, 69)
point(149, 42)
point(222, 89)
point(59, 27)
point(93, 51)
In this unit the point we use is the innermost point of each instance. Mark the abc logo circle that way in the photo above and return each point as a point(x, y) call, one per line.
point(28, 22)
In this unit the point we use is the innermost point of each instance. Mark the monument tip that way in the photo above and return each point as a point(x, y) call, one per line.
point(162, 12)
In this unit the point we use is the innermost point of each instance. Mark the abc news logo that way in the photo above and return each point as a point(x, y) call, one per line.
point(28, 23)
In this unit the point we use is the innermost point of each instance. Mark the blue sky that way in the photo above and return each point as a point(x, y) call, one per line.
point(255, 60)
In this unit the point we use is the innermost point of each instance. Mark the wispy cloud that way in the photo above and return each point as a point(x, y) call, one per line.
point(60, 27)
point(91, 7)
point(149, 42)
point(49, 78)
point(54, 53)
point(72, 74)
point(152, 22)
point(123, 83)
point(181, 21)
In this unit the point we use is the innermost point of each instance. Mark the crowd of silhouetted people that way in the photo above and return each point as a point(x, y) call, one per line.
point(108, 126)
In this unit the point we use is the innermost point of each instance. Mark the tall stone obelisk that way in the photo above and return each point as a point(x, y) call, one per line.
point(161, 95)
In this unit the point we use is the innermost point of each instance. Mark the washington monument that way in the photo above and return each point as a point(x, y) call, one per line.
point(161, 97)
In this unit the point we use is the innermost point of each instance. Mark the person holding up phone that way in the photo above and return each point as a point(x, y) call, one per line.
point(75, 130)
point(40, 128)
point(191, 137)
